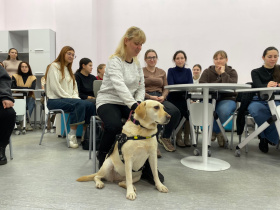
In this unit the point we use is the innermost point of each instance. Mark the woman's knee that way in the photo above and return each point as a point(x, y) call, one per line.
point(256, 109)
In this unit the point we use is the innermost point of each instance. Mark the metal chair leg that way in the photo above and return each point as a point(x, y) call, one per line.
point(11, 149)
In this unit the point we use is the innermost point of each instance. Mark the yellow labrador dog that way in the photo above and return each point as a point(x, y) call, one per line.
point(125, 162)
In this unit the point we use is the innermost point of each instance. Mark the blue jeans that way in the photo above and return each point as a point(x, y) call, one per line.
point(260, 111)
point(224, 109)
point(80, 110)
point(30, 103)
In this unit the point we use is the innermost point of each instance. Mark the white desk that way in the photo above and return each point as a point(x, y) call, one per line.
point(204, 162)
point(19, 92)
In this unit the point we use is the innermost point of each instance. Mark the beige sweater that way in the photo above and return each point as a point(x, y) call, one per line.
point(58, 87)
point(11, 66)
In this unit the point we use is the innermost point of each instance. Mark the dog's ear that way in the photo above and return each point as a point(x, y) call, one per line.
point(141, 110)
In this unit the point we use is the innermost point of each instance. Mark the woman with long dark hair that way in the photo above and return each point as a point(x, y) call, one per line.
point(85, 79)
point(266, 76)
point(24, 79)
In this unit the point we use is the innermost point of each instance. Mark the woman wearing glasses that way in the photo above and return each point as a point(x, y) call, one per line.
point(155, 80)
point(62, 91)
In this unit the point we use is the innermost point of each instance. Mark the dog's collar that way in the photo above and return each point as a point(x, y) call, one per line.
point(136, 122)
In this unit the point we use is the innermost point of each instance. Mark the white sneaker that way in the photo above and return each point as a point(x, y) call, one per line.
point(73, 141)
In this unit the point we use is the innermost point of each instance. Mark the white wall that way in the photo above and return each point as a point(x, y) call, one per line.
point(243, 28)
point(71, 20)
point(2, 15)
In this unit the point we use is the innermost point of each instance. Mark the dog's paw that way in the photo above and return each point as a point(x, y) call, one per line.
point(162, 188)
point(131, 195)
point(99, 185)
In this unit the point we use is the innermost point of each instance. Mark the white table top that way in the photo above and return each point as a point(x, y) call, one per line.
point(211, 86)
point(29, 90)
point(259, 89)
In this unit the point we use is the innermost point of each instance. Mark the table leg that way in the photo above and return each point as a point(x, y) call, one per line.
point(205, 163)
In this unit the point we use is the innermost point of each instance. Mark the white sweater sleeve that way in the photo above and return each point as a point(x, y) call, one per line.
point(54, 89)
point(76, 92)
point(140, 92)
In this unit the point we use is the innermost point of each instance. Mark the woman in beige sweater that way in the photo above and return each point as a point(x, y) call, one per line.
point(12, 62)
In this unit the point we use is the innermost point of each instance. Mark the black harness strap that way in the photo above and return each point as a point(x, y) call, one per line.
point(122, 139)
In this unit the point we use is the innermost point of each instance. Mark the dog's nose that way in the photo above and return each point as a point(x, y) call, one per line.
point(168, 116)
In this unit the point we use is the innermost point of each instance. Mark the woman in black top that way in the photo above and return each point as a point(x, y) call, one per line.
point(266, 76)
point(85, 80)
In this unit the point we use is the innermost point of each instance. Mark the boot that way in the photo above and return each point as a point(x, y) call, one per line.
point(187, 134)
point(3, 159)
point(179, 140)
point(101, 156)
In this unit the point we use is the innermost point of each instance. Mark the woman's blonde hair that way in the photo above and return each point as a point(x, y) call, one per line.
point(61, 60)
point(131, 33)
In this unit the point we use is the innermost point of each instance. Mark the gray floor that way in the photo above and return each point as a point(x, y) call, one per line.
point(43, 177)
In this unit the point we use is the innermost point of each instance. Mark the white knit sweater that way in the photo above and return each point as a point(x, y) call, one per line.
point(123, 84)
point(58, 87)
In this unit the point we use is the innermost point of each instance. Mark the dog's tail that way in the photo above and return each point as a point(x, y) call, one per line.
point(86, 178)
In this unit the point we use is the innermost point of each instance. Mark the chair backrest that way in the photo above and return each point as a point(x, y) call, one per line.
point(20, 106)
point(197, 113)
point(96, 86)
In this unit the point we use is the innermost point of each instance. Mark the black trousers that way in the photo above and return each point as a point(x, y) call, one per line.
point(111, 115)
point(7, 124)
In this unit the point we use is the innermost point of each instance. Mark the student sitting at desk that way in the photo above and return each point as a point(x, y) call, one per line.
point(180, 75)
point(24, 79)
point(221, 73)
point(266, 76)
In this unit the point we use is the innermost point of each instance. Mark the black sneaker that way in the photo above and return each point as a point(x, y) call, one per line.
point(263, 145)
point(148, 175)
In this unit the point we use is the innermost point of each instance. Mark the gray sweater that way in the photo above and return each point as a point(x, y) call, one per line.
point(123, 83)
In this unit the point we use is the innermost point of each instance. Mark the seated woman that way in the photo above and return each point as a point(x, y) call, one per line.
point(121, 89)
point(266, 76)
point(100, 71)
point(220, 72)
point(12, 62)
point(62, 91)
point(196, 73)
point(196, 70)
point(85, 79)
point(24, 79)
point(180, 75)
point(7, 113)
point(155, 80)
